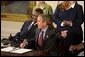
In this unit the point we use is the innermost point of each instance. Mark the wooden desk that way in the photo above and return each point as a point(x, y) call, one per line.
point(31, 53)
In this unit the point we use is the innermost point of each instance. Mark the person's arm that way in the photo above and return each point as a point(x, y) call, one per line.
point(22, 29)
point(27, 40)
point(79, 17)
point(24, 43)
point(76, 47)
point(56, 19)
point(79, 46)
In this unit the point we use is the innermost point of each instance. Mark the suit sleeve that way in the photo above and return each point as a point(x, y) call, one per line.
point(23, 26)
point(55, 18)
point(79, 17)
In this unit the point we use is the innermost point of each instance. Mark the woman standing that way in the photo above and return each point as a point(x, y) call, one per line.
point(69, 16)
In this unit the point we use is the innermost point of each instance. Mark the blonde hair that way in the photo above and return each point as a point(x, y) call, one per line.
point(64, 5)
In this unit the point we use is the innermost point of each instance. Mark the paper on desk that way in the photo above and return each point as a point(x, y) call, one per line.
point(15, 50)
point(7, 49)
point(2, 45)
point(20, 51)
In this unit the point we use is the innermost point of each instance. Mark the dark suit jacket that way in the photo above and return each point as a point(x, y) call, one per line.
point(50, 41)
point(24, 33)
point(25, 27)
point(29, 34)
point(76, 16)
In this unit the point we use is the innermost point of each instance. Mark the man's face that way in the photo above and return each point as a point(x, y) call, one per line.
point(41, 24)
point(34, 16)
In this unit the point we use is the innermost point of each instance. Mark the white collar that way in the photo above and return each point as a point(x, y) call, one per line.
point(72, 6)
point(33, 23)
point(45, 29)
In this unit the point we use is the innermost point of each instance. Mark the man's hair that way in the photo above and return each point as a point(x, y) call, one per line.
point(39, 10)
point(46, 18)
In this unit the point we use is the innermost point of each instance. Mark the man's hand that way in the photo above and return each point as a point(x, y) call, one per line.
point(64, 33)
point(72, 48)
point(65, 22)
point(79, 46)
point(24, 43)
point(76, 47)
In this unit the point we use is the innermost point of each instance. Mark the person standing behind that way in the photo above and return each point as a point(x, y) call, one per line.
point(47, 9)
point(69, 16)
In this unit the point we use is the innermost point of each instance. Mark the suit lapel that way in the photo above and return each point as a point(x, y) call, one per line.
point(47, 36)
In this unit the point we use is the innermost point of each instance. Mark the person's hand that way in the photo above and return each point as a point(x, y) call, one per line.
point(64, 33)
point(76, 47)
point(67, 23)
point(24, 43)
point(79, 46)
point(72, 48)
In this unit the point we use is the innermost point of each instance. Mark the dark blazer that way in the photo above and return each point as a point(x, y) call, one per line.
point(50, 41)
point(23, 30)
point(24, 33)
point(29, 34)
point(25, 27)
point(76, 16)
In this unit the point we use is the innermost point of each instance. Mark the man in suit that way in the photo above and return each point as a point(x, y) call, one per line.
point(45, 37)
point(28, 26)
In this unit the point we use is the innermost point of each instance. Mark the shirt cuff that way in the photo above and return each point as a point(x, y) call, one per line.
point(62, 24)
point(71, 24)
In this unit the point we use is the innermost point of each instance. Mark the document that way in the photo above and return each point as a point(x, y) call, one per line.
point(8, 49)
point(2, 45)
point(15, 50)
point(20, 51)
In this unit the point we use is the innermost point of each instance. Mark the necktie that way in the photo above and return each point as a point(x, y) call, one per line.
point(41, 40)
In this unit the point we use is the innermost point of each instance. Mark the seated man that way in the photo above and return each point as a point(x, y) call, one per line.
point(45, 37)
point(28, 26)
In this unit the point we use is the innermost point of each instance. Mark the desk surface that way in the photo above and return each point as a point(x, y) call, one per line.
point(31, 53)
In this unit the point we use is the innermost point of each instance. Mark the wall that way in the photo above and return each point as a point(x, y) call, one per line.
point(9, 27)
